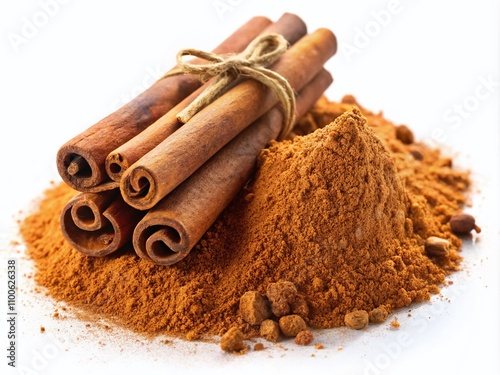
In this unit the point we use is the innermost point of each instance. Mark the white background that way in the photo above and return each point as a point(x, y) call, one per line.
point(431, 65)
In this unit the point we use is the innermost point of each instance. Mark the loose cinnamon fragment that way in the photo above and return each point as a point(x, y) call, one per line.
point(156, 174)
point(76, 165)
point(173, 227)
point(81, 161)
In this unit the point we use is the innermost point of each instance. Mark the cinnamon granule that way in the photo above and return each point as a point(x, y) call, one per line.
point(304, 338)
point(291, 325)
point(269, 330)
point(282, 296)
point(233, 341)
point(356, 319)
point(378, 315)
point(342, 213)
point(259, 347)
point(254, 308)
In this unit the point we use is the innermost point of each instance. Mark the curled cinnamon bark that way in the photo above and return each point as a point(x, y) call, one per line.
point(172, 228)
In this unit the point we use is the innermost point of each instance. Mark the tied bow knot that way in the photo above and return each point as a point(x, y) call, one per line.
point(252, 63)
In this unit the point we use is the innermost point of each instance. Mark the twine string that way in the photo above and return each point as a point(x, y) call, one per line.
point(252, 63)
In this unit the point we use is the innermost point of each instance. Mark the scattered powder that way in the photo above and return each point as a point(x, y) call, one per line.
point(342, 212)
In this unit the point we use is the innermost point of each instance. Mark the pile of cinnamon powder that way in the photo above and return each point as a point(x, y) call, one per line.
point(342, 212)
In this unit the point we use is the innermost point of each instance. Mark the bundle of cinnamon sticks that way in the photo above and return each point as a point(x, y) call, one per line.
point(146, 179)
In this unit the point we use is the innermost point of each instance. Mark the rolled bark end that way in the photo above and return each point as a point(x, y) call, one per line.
point(161, 241)
point(86, 216)
point(116, 165)
point(98, 224)
point(97, 242)
point(163, 246)
point(78, 168)
point(138, 188)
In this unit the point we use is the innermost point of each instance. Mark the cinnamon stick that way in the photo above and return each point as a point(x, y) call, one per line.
point(290, 26)
point(171, 229)
point(81, 161)
point(98, 224)
point(162, 169)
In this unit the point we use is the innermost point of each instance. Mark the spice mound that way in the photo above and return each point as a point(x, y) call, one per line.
point(342, 212)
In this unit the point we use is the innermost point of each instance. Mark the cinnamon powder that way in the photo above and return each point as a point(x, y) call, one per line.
point(342, 212)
